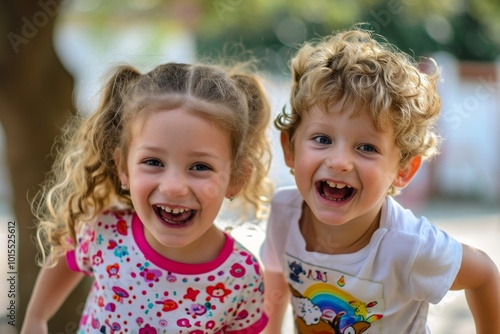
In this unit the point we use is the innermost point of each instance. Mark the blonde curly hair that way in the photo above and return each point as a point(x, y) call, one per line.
point(352, 66)
point(84, 180)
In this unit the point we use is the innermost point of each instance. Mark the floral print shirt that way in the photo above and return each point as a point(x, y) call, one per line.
point(136, 290)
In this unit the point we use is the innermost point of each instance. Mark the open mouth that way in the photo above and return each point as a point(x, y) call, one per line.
point(177, 216)
point(337, 192)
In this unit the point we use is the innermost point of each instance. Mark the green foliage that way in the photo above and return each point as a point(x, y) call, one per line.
point(272, 30)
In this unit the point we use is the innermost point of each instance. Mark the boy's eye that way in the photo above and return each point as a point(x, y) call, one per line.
point(153, 162)
point(201, 167)
point(367, 148)
point(320, 139)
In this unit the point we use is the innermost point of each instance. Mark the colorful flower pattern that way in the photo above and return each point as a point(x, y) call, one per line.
point(138, 291)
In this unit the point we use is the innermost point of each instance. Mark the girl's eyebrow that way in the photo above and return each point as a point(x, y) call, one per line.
point(150, 148)
point(198, 153)
point(206, 154)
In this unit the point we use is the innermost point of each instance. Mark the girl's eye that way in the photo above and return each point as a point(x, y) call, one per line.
point(367, 148)
point(153, 162)
point(320, 139)
point(201, 167)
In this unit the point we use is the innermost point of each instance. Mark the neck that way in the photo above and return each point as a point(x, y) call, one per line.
point(343, 239)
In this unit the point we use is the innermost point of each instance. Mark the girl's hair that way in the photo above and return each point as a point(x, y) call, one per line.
point(376, 78)
point(84, 180)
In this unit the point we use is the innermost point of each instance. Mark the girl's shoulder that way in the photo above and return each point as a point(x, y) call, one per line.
point(107, 237)
point(109, 219)
point(114, 214)
point(116, 210)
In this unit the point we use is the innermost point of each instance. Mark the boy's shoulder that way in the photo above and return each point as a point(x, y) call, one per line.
point(399, 219)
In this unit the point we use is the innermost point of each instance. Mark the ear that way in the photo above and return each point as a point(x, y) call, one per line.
point(121, 166)
point(287, 150)
point(236, 184)
point(406, 174)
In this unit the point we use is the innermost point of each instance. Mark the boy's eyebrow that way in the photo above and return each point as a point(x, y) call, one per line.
point(316, 124)
point(374, 132)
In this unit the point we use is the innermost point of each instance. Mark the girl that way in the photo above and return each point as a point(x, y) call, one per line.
point(133, 199)
point(347, 255)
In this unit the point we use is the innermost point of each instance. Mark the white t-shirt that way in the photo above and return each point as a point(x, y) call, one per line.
point(137, 290)
point(386, 287)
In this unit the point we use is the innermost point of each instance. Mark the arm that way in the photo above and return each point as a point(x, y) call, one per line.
point(276, 298)
point(52, 287)
point(480, 278)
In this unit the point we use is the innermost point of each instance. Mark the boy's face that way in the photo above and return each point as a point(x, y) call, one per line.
point(344, 166)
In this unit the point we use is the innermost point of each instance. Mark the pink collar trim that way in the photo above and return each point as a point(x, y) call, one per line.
point(174, 266)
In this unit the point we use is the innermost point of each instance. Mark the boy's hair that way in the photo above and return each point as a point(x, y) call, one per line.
point(84, 180)
point(375, 77)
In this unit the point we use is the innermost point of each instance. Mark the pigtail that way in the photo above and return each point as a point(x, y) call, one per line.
point(83, 180)
point(104, 133)
point(255, 147)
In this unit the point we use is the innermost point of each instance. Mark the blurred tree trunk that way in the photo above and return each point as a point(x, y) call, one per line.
point(35, 101)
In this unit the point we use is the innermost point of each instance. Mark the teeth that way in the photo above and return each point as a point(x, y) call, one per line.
point(174, 211)
point(337, 185)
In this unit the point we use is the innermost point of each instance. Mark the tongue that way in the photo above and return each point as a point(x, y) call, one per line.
point(175, 217)
point(335, 193)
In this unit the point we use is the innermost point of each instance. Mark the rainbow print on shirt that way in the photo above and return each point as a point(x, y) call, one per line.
point(326, 301)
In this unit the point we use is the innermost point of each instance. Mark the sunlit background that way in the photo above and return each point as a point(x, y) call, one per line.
point(460, 189)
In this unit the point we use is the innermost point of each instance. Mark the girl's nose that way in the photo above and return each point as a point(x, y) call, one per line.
point(173, 183)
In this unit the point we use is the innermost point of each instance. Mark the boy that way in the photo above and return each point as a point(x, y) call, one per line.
point(355, 261)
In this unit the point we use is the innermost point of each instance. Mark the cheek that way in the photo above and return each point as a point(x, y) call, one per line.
point(141, 185)
point(306, 159)
point(379, 176)
point(211, 189)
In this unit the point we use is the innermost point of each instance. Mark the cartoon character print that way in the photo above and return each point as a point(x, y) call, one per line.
point(97, 258)
point(237, 270)
point(121, 252)
point(147, 329)
point(310, 319)
point(149, 275)
point(168, 305)
point(113, 270)
point(196, 310)
point(219, 291)
point(113, 327)
point(325, 307)
point(295, 271)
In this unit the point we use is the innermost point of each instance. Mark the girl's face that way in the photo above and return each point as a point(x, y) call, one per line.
point(178, 171)
point(343, 166)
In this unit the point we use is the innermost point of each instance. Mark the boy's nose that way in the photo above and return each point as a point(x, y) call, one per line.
point(339, 161)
